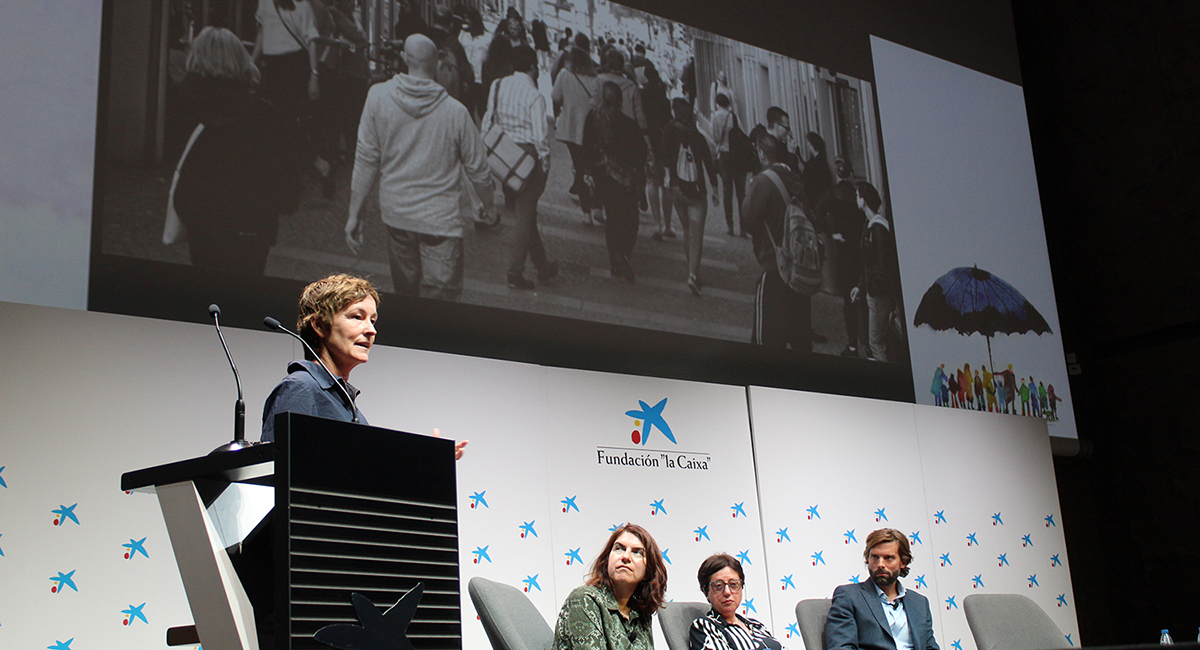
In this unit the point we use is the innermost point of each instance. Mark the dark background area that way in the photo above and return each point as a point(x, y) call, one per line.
point(1113, 94)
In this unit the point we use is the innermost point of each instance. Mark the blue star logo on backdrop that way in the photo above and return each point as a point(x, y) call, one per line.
point(782, 534)
point(527, 530)
point(664, 555)
point(1069, 641)
point(849, 535)
point(702, 532)
point(971, 541)
point(957, 645)
point(135, 546)
point(481, 553)
point(478, 500)
point(816, 557)
point(854, 578)
point(1002, 559)
point(880, 515)
point(977, 581)
point(1033, 581)
point(63, 513)
point(1049, 518)
point(134, 613)
point(1054, 561)
point(921, 582)
point(738, 509)
point(945, 558)
point(939, 517)
point(657, 507)
point(573, 556)
point(63, 580)
point(787, 582)
point(1025, 541)
point(792, 629)
point(1, 550)
point(812, 512)
point(613, 528)
point(651, 417)
point(744, 557)
point(1062, 600)
point(2, 483)
point(950, 604)
point(915, 537)
point(748, 606)
point(61, 645)
point(569, 504)
point(996, 520)
point(531, 582)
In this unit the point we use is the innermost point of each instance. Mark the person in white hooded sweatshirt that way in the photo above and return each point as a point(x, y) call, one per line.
point(417, 141)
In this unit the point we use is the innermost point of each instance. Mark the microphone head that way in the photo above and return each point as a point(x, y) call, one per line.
point(214, 310)
point(272, 324)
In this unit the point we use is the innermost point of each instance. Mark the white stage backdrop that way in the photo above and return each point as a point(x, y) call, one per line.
point(556, 459)
point(978, 503)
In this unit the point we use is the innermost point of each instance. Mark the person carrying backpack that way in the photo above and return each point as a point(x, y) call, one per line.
point(688, 162)
point(782, 314)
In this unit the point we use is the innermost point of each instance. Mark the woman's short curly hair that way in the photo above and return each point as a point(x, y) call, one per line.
point(715, 563)
point(324, 299)
point(650, 593)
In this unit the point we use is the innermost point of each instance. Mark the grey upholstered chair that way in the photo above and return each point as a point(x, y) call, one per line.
point(675, 619)
point(1010, 622)
point(509, 618)
point(811, 615)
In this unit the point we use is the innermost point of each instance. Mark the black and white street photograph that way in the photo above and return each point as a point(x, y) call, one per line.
point(579, 160)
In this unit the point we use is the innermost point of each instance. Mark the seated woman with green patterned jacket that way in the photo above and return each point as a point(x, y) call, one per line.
point(625, 587)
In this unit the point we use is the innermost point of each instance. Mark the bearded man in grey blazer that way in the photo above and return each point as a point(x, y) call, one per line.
point(880, 614)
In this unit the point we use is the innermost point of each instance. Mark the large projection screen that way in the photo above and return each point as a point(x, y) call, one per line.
point(818, 63)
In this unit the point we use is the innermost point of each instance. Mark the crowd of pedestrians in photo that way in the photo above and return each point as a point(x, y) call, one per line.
point(302, 99)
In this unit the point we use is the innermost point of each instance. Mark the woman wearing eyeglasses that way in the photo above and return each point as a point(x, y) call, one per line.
point(625, 587)
point(721, 580)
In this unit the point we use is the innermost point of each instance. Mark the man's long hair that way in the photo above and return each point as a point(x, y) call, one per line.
point(885, 535)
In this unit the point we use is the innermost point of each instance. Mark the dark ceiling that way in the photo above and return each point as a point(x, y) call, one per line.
point(1113, 94)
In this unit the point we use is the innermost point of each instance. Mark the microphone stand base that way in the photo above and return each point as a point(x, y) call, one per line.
point(236, 445)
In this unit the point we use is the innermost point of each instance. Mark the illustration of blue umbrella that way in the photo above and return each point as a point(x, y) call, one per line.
point(973, 301)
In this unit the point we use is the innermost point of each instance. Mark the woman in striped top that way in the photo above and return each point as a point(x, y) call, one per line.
point(721, 579)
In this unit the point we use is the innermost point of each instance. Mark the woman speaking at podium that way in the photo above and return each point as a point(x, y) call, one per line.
point(336, 319)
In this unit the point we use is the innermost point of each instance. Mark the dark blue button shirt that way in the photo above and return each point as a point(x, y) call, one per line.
point(308, 390)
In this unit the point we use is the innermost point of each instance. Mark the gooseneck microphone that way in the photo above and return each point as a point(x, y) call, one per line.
point(276, 326)
point(239, 407)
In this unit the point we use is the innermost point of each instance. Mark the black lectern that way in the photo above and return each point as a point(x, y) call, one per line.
point(329, 509)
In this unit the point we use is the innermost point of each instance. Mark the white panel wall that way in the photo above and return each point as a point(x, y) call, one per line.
point(89, 396)
point(966, 490)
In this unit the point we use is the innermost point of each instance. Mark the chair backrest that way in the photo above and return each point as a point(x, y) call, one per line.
point(811, 615)
point(1010, 622)
point(675, 619)
point(509, 618)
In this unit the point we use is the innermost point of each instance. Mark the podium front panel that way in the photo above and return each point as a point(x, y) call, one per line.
point(363, 510)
